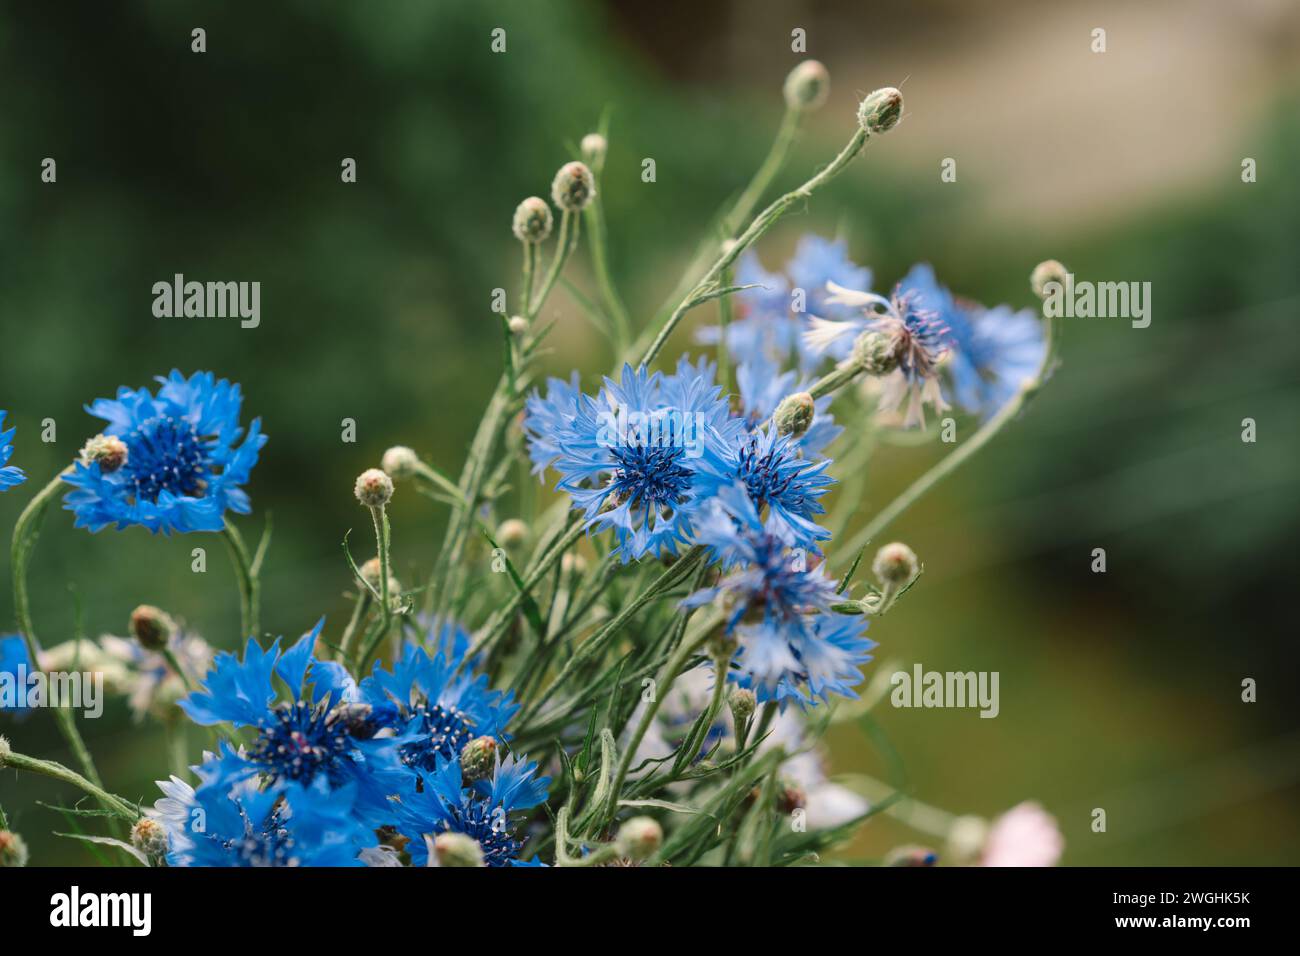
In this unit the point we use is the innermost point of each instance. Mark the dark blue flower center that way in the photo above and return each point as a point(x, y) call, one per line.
point(490, 827)
point(166, 454)
point(299, 741)
point(769, 476)
point(444, 733)
point(650, 475)
point(271, 845)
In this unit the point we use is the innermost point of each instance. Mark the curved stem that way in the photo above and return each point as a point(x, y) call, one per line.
point(49, 768)
point(27, 531)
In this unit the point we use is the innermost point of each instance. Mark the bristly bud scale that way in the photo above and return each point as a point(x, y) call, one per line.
point(876, 353)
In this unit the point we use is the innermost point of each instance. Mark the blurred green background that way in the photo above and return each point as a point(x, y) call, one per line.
point(1119, 691)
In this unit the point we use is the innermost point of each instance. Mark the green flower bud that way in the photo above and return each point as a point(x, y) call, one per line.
point(149, 837)
point(152, 627)
point(533, 221)
point(881, 111)
point(512, 533)
point(457, 849)
point(13, 851)
point(400, 462)
point(574, 187)
point(742, 702)
point(794, 414)
point(109, 450)
point(895, 564)
point(1045, 273)
point(639, 838)
point(374, 488)
point(593, 149)
point(876, 353)
point(807, 86)
point(478, 759)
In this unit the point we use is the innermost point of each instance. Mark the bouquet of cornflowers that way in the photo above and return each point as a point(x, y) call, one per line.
point(635, 672)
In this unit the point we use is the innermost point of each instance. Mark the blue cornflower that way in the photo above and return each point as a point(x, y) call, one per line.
point(764, 574)
point(762, 386)
point(185, 462)
point(316, 735)
point(441, 803)
point(629, 457)
point(820, 262)
point(994, 351)
point(10, 475)
point(246, 825)
point(777, 479)
point(436, 703)
point(16, 674)
point(918, 340)
point(805, 660)
point(546, 418)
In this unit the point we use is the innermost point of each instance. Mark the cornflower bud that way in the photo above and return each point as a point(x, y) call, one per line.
point(533, 221)
point(478, 759)
point(149, 837)
point(374, 488)
point(876, 353)
point(639, 837)
point(795, 413)
point(152, 627)
point(880, 111)
point(512, 533)
point(400, 462)
point(1045, 273)
point(895, 564)
point(807, 86)
point(574, 187)
point(457, 849)
point(742, 702)
point(593, 149)
point(370, 573)
point(518, 325)
point(13, 851)
point(109, 450)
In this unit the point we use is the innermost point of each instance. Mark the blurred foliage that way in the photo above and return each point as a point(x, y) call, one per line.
point(225, 166)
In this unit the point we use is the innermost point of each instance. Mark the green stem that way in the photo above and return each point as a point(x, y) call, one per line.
point(598, 243)
point(761, 224)
point(49, 768)
point(27, 531)
point(348, 645)
point(248, 597)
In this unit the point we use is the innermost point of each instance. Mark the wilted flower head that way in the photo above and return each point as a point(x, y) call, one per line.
point(187, 458)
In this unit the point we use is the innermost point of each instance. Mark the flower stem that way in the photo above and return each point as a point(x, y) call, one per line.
point(762, 222)
point(49, 768)
point(27, 531)
point(247, 580)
